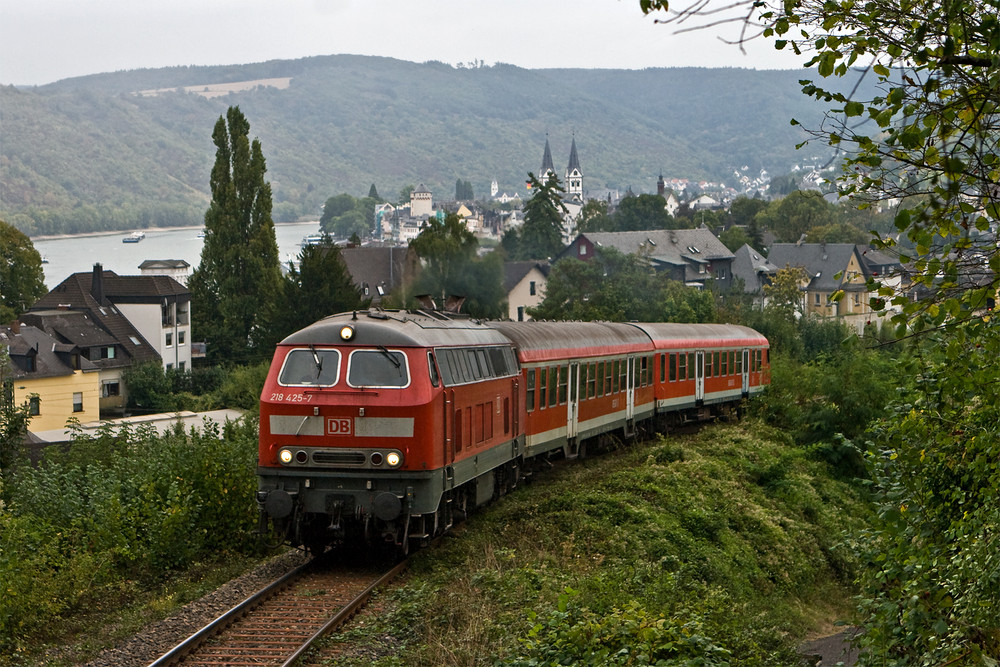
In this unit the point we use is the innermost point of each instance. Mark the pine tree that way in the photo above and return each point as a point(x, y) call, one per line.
point(319, 286)
point(235, 287)
point(540, 236)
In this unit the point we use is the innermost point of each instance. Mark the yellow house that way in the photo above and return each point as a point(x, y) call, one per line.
point(52, 377)
point(829, 268)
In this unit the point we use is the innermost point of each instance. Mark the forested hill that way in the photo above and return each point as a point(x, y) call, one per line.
point(92, 153)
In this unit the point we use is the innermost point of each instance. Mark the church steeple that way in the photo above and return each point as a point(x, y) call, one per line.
point(547, 165)
point(574, 175)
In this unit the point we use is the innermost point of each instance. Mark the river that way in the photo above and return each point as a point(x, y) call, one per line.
point(65, 256)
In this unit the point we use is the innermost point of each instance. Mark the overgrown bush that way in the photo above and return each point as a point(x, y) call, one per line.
point(152, 389)
point(628, 635)
point(122, 505)
point(931, 575)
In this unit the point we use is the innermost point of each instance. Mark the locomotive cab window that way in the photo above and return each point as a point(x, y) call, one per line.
point(304, 367)
point(377, 368)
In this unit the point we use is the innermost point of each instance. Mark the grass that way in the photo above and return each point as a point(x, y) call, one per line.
point(732, 530)
point(112, 618)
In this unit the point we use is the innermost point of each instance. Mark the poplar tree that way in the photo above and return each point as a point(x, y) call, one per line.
point(235, 287)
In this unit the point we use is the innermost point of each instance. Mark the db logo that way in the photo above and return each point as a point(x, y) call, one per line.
point(339, 426)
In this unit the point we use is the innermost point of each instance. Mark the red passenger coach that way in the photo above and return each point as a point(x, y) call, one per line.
point(581, 379)
point(698, 366)
point(386, 426)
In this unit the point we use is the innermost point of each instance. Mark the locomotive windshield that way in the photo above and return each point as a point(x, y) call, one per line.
point(377, 368)
point(310, 367)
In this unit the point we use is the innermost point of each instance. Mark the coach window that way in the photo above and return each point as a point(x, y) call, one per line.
point(542, 373)
point(682, 366)
point(553, 386)
point(432, 369)
point(530, 390)
point(738, 368)
point(592, 386)
point(563, 383)
point(377, 368)
point(304, 367)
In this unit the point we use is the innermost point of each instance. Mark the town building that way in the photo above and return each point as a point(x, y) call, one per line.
point(692, 256)
point(524, 283)
point(829, 268)
point(117, 322)
point(56, 381)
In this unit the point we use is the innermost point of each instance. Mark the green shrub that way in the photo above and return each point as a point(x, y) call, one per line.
point(627, 635)
point(123, 504)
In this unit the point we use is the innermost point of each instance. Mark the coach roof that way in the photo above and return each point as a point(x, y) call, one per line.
point(541, 341)
point(700, 335)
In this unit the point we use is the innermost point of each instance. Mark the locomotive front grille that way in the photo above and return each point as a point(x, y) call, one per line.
point(339, 458)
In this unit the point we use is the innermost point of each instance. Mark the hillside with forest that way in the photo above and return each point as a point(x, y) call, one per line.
point(133, 148)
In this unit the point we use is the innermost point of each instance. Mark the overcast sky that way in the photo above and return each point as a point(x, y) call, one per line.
point(42, 41)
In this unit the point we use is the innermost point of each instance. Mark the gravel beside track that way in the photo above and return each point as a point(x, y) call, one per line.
point(162, 636)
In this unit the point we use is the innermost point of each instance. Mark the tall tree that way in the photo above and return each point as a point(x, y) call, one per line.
point(235, 287)
point(540, 237)
point(22, 281)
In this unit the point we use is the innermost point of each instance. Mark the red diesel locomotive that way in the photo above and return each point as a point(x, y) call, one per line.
point(389, 425)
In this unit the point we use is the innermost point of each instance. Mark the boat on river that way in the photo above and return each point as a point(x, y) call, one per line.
point(134, 237)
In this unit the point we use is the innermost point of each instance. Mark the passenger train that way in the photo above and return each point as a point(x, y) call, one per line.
point(388, 426)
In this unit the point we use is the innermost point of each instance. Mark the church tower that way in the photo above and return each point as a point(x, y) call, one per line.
point(574, 176)
point(547, 166)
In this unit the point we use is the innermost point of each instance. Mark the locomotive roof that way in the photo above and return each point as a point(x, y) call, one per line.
point(397, 328)
point(538, 341)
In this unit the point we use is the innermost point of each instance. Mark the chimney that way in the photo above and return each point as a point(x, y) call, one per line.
point(15, 327)
point(97, 284)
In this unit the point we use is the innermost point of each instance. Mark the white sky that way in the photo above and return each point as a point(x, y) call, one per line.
point(42, 41)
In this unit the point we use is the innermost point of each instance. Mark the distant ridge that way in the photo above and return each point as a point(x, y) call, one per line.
point(91, 153)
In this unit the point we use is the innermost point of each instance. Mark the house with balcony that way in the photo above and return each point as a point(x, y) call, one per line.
point(692, 256)
point(117, 322)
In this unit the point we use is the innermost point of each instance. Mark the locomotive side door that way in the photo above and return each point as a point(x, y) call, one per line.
point(746, 372)
point(630, 390)
point(699, 377)
point(573, 404)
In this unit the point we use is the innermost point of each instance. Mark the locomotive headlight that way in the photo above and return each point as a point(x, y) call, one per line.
point(346, 333)
point(285, 456)
point(393, 459)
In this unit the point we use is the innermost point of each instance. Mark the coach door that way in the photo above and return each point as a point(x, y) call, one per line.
point(699, 377)
point(746, 372)
point(573, 404)
point(630, 391)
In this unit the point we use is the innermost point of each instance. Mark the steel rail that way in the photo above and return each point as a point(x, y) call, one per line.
point(177, 654)
point(346, 613)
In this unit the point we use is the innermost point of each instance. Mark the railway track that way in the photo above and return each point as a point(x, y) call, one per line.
point(278, 624)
